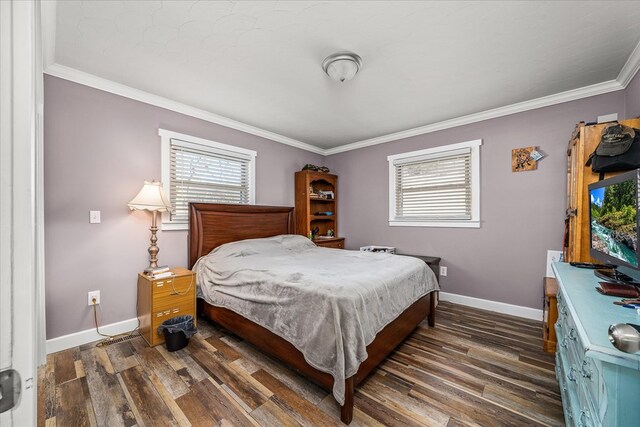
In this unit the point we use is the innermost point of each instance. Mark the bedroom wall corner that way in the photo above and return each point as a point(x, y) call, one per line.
point(522, 214)
point(98, 149)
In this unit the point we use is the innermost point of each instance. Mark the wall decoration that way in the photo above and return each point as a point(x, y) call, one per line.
point(521, 160)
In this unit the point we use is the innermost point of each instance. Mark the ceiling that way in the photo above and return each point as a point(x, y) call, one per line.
point(260, 62)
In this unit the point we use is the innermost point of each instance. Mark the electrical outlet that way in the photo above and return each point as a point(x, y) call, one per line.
point(91, 295)
point(552, 256)
point(443, 270)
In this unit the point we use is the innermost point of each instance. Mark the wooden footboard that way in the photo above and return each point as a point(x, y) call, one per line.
point(268, 342)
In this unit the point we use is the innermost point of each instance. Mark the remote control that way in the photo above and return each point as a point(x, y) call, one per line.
point(591, 265)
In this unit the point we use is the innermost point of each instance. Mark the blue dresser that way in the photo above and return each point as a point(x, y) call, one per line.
point(600, 384)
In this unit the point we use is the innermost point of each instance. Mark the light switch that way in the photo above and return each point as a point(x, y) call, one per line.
point(94, 217)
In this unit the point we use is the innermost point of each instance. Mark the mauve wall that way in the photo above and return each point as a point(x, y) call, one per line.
point(632, 98)
point(522, 213)
point(99, 148)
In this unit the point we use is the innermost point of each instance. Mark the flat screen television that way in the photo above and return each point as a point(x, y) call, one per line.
point(614, 224)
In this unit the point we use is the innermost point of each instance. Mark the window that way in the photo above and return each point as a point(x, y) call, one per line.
point(436, 187)
point(198, 170)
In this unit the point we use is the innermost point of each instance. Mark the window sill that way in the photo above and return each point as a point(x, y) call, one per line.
point(451, 224)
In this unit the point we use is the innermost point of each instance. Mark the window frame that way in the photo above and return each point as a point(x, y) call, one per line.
point(435, 152)
point(165, 140)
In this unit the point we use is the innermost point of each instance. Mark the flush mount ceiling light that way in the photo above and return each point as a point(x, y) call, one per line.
point(342, 66)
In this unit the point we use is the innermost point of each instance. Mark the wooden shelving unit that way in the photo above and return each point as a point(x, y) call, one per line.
point(307, 206)
point(584, 141)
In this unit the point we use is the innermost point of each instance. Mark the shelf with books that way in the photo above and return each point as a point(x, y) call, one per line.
point(308, 184)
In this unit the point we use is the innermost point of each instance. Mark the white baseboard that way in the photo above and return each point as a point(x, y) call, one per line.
point(89, 335)
point(499, 307)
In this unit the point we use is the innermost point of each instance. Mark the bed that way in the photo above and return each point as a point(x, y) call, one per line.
point(212, 225)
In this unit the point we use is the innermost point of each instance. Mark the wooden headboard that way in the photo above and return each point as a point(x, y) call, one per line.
point(211, 225)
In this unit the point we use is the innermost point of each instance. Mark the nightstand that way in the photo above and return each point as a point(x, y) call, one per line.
point(163, 299)
point(432, 261)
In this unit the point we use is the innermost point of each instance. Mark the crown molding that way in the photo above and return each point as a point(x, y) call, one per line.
point(96, 82)
point(545, 101)
point(630, 68)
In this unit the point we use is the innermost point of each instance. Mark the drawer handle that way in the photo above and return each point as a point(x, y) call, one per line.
point(584, 416)
point(167, 312)
point(159, 284)
point(159, 314)
point(572, 334)
point(586, 372)
point(176, 310)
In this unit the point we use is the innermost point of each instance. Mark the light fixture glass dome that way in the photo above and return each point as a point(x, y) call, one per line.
point(342, 66)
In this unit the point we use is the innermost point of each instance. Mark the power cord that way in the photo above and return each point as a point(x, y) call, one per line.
point(109, 338)
point(185, 292)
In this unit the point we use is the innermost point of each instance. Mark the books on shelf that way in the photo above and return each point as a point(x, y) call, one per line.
point(326, 194)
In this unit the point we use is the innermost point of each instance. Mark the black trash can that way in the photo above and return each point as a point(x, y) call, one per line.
point(177, 332)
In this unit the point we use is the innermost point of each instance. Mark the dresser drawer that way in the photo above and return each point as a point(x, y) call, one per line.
point(177, 309)
point(336, 244)
point(165, 302)
point(566, 390)
point(586, 416)
point(590, 373)
point(173, 285)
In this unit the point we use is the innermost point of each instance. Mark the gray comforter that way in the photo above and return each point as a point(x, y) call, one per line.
point(328, 303)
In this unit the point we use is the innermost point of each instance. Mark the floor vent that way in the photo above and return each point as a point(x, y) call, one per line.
point(110, 341)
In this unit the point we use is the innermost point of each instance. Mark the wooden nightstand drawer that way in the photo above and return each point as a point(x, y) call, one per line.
point(162, 299)
point(159, 316)
point(337, 243)
point(165, 302)
point(173, 285)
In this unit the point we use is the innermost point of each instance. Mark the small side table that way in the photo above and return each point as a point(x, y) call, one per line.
point(550, 314)
point(163, 299)
point(432, 261)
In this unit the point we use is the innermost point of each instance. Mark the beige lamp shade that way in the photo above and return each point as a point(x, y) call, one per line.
point(150, 198)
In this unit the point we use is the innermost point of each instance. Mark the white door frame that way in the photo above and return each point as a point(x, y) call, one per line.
point(20, 200)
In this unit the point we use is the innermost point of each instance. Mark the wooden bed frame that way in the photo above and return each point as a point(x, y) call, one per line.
point(211, 225)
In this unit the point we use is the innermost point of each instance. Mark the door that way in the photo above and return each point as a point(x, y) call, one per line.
point(20, 73)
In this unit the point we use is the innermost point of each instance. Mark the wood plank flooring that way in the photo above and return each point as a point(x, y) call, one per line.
point(475, 368)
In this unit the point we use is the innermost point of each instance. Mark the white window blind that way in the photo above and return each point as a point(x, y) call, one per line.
point(435, 188)
point(196, 170)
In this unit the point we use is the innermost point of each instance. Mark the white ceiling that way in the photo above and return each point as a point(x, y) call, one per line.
point(259, 62)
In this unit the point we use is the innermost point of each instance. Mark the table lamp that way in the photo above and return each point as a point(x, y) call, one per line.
point(151, 198)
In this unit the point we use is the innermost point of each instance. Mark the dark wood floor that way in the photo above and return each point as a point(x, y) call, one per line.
point(474, 368)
